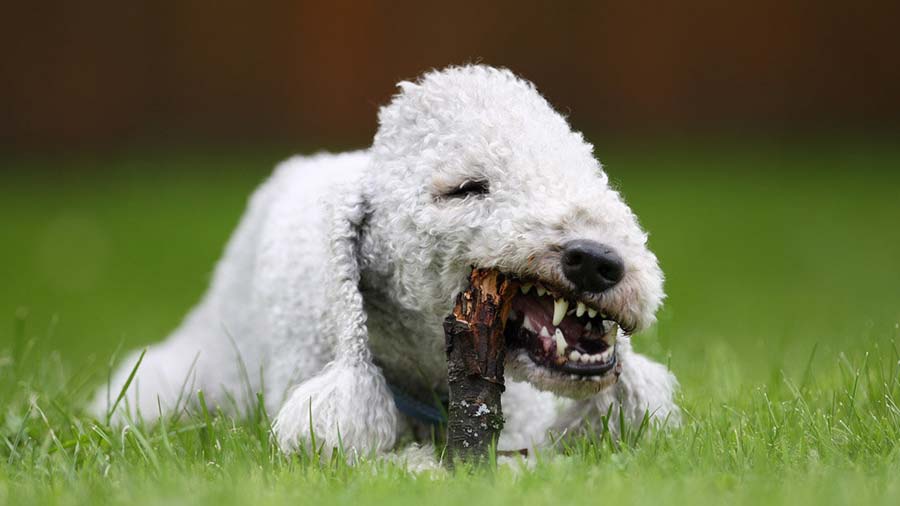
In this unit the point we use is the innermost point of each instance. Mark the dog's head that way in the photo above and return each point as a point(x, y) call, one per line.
point(472, 167)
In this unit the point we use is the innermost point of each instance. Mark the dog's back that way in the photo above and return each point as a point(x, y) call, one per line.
point(257, 326)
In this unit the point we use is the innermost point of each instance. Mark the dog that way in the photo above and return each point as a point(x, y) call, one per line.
point(330, 296)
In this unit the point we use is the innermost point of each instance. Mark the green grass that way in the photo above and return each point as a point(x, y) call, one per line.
point(783, 310)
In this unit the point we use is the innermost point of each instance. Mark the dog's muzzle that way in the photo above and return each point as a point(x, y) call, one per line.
point(562, 333)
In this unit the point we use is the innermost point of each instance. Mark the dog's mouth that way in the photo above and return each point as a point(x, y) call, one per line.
point(561, 332)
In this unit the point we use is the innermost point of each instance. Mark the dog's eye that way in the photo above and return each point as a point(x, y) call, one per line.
point(467, 188)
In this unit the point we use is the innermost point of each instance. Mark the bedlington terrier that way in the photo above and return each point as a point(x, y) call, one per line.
point(331, 293)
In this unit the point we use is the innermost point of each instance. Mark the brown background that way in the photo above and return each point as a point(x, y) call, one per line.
point(86, 75)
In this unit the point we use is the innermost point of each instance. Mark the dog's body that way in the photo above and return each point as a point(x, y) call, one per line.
point(332, 291)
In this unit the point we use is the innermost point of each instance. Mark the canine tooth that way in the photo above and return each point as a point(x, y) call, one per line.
point(580, 309)
point(610, 338)
point(574, 356)
point(560, 306)
point(541, 291)
point(592, 312)
point(544, 332)
point(561, 343)
point(526, 287)
point(610, 329)
point(526, 322)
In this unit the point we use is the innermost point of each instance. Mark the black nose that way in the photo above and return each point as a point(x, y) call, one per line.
point(591, 266)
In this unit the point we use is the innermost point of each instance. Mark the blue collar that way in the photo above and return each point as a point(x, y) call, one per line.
point(430, 413)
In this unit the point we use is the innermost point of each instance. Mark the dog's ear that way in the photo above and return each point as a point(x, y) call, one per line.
point(345, 216)
point(347, 403)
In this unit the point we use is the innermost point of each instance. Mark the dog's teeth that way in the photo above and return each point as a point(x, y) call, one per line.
point(545, 332)
point(592, 312)
point(541, 291)
point(526, 287)
point(588, 327)
point(560, 306)
point(606, 355)
point(526, 322)
point(585, 358)
point(610, 329)
point(610, 335)
point(574, 356)
point(580, 309)
point(561, 343)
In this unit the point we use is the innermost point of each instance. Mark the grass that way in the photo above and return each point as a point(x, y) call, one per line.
point(781, 323)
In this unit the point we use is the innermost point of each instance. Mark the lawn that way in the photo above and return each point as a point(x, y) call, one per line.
point(783, 275)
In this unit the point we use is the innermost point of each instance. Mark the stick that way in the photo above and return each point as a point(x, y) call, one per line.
point(475, 353)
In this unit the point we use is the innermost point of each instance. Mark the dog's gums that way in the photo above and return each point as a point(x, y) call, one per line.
point(562, 333)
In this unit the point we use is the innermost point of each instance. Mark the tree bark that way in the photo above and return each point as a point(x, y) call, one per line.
point(475, 353)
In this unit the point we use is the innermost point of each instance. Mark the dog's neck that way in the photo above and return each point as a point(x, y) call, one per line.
point(408, 347)
point(406, 343)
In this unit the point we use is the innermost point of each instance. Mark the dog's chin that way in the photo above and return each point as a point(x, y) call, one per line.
point(560, 343)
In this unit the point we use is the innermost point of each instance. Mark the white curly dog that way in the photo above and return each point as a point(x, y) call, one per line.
point(331, 294)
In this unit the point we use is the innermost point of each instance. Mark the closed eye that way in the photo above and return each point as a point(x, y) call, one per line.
point(467, 188)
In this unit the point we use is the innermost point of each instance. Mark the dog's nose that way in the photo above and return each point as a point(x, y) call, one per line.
point(591, 266)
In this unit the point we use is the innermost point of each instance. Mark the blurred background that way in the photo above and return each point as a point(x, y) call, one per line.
point(756, 140)
point(102, 74)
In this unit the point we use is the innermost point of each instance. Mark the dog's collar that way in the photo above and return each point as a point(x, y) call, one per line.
point(430, 413)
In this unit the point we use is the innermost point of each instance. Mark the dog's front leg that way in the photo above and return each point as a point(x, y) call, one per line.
point(646, 388)
point(348, 403)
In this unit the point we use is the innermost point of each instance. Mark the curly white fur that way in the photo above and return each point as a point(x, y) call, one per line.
point(344, 266)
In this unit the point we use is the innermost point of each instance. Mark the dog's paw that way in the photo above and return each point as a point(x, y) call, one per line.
point(416, 459)
point(347, 405)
